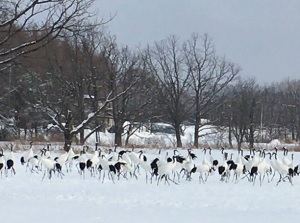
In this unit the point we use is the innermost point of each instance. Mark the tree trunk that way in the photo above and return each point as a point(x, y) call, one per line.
point(251, 137)
point(118, 131)
point(118, 134)
point(81, 137)
point(35, 131)
point(196, 132)
point(67, 131)
point(178, 136)
point(25, 132)
point(127, 140)
point(230, 137)
point(239, 145)
point(118, 138)
point(98, 136)
point(293, 132)
point(128, 134)
point(68, 140)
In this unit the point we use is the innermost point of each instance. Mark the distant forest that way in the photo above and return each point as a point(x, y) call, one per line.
point(60, 67)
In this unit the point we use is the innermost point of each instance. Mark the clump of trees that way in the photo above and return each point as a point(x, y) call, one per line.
point(66, 71)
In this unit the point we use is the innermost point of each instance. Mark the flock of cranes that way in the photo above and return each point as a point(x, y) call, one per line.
point(167, 166)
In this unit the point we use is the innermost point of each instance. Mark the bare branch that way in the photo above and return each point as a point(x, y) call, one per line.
point(26, 26)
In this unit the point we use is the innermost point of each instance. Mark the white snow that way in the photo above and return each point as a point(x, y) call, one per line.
point(26, 198)
point(274, 142)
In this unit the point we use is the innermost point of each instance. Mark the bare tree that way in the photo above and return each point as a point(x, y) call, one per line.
point(290, 104)
point(125, 68)
point(271, 112)
point(209, 76)
point(242, 109)
point(93, 45)
point(74, 70)
point(26, 26)
point(82, 72)
point(166, 62)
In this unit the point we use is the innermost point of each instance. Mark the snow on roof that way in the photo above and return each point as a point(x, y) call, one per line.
point(87, 96)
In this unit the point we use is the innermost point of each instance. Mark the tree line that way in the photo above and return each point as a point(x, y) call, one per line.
point(73, 74)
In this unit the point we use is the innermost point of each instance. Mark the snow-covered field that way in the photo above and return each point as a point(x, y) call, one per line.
point(26, 198)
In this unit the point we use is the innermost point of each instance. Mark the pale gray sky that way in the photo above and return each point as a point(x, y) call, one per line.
point(262, 36)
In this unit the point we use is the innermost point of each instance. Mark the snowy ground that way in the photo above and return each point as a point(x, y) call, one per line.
point(25, 198)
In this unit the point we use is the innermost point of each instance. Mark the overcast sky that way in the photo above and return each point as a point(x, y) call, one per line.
point(262, 36)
